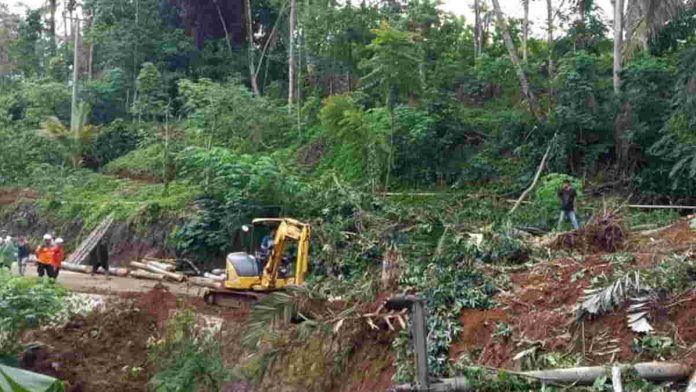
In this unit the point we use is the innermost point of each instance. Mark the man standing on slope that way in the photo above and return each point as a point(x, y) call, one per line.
point(44, 254)
point(567, 195)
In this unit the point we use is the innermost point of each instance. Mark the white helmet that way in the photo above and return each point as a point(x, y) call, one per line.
point(48, 236)
point(59, 240)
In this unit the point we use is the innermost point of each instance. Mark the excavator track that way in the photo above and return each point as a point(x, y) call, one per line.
point(232, 298)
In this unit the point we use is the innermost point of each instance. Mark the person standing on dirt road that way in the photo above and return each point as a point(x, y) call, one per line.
point(99, 257)
point(44, 254)
point(567, 195)
point(58, 257)
point(22, 255)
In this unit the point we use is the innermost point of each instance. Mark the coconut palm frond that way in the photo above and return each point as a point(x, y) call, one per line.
point(601, 300)
point(628, 287)
point(53, 128)
point(275, 312)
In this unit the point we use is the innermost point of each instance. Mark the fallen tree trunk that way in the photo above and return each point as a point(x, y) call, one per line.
point(160, 265)
point(140, 274)
point(616, 379)
point(171, 275)
point(536, 176)
point(85, 269)
point(205, 282)
point(652, 371)
point(117, 271)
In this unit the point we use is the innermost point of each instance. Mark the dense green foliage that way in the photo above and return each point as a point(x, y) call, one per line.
point(399, 142)
point(25, 303)
point(186, 358)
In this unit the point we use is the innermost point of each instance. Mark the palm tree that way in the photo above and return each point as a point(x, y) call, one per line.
point(74, 142)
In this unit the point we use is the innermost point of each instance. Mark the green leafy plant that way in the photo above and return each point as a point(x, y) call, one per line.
point(186, 358)
point(25, 303)
point(654, 347)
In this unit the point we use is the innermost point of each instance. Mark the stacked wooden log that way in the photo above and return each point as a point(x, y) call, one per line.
point(156, 269)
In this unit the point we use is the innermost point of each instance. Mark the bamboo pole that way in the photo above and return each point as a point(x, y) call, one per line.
point(151, 268)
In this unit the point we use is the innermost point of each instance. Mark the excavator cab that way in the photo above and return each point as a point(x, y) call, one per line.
point(249, 274)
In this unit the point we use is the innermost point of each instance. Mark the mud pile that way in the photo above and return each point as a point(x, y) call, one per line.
point(105, 351)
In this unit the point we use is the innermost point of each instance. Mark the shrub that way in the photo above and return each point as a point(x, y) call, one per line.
point(186, 358)
point(114, 141)
point(25, 303)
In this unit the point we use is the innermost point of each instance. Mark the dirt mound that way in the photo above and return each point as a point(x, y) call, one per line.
point(158, 302)
point(102, 352)
point(602, 233)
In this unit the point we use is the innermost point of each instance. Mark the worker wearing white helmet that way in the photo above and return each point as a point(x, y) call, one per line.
point(44, 254)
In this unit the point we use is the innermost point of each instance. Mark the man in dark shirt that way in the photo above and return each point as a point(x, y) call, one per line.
point(567, 196)
point(22, 254)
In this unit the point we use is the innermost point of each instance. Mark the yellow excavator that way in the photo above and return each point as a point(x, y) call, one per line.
point(251, 275)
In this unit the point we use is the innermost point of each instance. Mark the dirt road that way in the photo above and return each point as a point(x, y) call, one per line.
point(101, 284)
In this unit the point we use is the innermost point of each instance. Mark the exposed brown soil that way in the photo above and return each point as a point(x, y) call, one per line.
point(11, 195)
point(540, 309)
point(107, 351)
point(102, 352)
point(371, 368)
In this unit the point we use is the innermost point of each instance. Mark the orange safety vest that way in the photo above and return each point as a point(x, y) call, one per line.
point(58, 256)
point(45, 254)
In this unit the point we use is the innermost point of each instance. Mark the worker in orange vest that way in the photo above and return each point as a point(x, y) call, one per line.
point(44, 254)
point(58, 257)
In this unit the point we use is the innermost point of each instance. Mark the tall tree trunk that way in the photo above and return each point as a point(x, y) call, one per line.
point(549, 40)
point(52, 23)
point(250, 37)
point(90, 46)
point(291, 54)
point(618, 43)
point(269, 39)
point(524, 83)
point(76, 68)
point(477, 29)
point(525, 30)
point(621, 145)
point(224, 26)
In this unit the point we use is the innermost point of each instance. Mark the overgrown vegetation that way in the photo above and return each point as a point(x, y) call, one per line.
point(396, 139)
point(25, 303)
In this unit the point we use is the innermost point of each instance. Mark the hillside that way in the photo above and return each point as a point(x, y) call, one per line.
point(421, 152)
